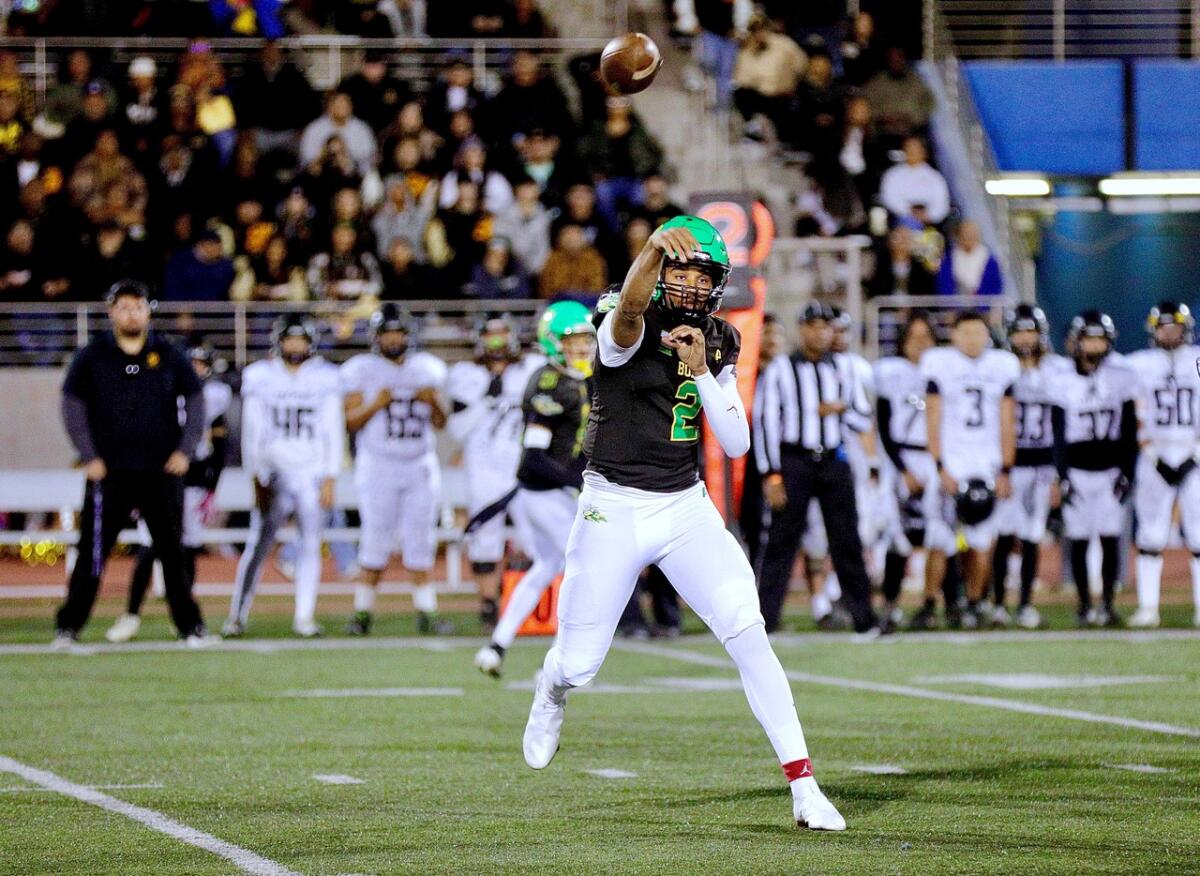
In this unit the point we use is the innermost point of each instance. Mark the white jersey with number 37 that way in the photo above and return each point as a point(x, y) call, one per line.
point(403, 429)
point(971, 392)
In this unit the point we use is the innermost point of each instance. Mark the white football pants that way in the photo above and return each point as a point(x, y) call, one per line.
point(398, 506)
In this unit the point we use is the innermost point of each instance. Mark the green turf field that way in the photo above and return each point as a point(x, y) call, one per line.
point(443, 788)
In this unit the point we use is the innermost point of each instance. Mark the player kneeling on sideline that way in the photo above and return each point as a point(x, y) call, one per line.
point(972, 438)
point(1095, 444)
point(392, 409)
point(1168, 401)
point(1023, 515)
point(293, 438)
point(550, 475)
point(663, 358)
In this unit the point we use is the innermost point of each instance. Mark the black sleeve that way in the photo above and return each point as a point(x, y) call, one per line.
point(207, 471)
point(193, 425)
point(75, 418)
point(1128, 439)
point(1058, 424)
point(931, 388)
point(883, 412)
point(540, 465)
point(78, 381)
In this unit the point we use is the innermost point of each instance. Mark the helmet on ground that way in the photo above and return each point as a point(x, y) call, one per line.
point(975, 502)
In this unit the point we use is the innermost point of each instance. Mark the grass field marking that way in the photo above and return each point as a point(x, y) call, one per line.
point(18, 789)
point(879, 769)
point(608, 773)
point(244, 859)
point(337, 779)
point(256, 646)
point(904, 690)
point(1140, 768)
point(991, 637)
point(1042, 681)
point(351, 692)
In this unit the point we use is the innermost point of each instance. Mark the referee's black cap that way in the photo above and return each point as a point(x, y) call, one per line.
point(817, 310)
point(124, 288)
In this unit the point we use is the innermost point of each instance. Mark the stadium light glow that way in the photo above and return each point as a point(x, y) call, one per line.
point(1020, 186)
point(1150, 185)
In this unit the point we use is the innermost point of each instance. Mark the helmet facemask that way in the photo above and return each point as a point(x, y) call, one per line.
point(687, 299)
point(392, 343)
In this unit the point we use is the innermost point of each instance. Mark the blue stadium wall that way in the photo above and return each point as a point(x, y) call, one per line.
point(1070, 120)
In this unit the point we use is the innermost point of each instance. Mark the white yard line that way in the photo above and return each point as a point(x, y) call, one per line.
point(990, 637)
point(18, 789)
point(352, 692)
point(1140, 768)
point(699, 659)
point(337, 779)
point(256, 646)
point(879, 769)
point(245, 860)
point(608, 773)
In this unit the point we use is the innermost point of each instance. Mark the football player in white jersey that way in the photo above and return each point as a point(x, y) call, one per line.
point(900, 410)
point(1095, 445)
point(1169, 413)
point(200, 483)
point(486, 420)
point(293, 441)
point(392, 409)
point(971, 422)
point(1023, 515)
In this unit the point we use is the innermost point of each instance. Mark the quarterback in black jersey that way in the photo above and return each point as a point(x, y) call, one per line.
point(662, 359)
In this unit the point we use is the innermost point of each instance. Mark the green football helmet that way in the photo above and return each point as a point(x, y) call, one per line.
point(713, 259)
point(561, 320)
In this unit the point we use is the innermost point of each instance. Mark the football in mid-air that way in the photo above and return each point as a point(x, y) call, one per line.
point(629, 63)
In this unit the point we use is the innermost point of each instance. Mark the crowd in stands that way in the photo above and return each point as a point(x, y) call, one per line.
point(212, 187)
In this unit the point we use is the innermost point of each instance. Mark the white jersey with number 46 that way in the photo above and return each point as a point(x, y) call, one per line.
point(971, 391)
point(292, 422)
point(403, 429)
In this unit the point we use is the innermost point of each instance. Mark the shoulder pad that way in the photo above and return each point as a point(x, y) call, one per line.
point(545, 405)
point(548, 379)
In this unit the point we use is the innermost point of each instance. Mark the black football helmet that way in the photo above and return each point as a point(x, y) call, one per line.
point(1170, 313)
point(975, 501)
point(390, 318)
point(1028, 318)
point(1091, 324)
point(294, 325)
point(495, 347)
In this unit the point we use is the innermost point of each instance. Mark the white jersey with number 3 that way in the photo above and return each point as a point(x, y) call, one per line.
point(403, 429)
point(971, 392)
point(1168, 400)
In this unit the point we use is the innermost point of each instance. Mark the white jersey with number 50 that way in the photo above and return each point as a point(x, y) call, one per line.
point(971, 391)
point(1168, 400)
point(404, 429)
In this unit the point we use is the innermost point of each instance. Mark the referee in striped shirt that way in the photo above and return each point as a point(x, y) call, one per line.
point(803, 402)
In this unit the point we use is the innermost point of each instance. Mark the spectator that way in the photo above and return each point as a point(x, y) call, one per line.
point(247, 18)
point(637, 232)
point(524, 21)
point(969, 267)
point(11, 126)
point(815, 127)
point(471, 164)
point(375, 93)
point(18, 281)
point(830, 206)
point(913, 183)
point(200, 272)
point(346, 271)
point(276, 99)
point(657, 206)
point(297, 219)
point(104, 170)
point(109, 256)
point(617, 154)
point(719, 24)
point(364, 18)
point(245, 179)
point(65, 100)
point(593, 92)
point(903, 103)
point(271, 276)
point(526, 225)
point(85, 126)
point(863, 156)
point(216, 118)
point(898, 270)
point(454, 91)
point(142, 112)
point(182, 182)
point(29, 163)
point(485, 18)
point(863, 55)
point(407, 17)
point(402, 216)
point(12, 80)
point(339, 120)
point(541, 160)
point(347, 209)
point(457, 236)
point(409, 124)
point(332, 170)
point(498, 275)
point(768, 69)
point(403, 278)
point(580, 209)
point(573, 266)
point(530, 99)
point(412, 170)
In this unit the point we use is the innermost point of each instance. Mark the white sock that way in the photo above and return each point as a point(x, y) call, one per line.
point(364, 597)
point(821, 606)
point(425, 599)
point(768, 692)
point(308, 580)
point(1194, 565)
point(524, 599)
point(1149, 578)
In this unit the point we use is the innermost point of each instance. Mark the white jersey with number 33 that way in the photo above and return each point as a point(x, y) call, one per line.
point(403, 429)
point(971, 392)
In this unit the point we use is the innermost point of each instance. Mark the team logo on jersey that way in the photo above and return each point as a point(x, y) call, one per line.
point(592, 514)
point(152, 360)
point(546, 405)
point(548, 380)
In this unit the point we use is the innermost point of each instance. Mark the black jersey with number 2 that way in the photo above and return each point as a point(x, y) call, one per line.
point(644, 429)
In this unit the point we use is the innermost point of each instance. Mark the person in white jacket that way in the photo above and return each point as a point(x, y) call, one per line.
point(293, 442)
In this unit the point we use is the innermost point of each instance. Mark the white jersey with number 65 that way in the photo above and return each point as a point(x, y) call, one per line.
point(403, 429)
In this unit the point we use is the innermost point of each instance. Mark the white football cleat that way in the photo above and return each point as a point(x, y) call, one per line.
point(200, 640)
point(544, 726)
point(488, 661)
point(1028, 618)
point(308, 629)
point(233, 629)
point(1000, 617)
point(1145, 619)
point(813, 810)
point(124, 628)
point(63, 640)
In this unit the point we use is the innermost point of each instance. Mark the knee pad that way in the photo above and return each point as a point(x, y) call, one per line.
point(735, 615)
point(484, 568)
point(1147, 552)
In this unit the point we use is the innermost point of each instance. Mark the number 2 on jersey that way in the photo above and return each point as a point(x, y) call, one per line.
point(685, 412)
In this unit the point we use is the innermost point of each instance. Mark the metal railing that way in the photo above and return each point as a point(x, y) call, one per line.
point(325, 59)
point(941, 52)
point(800, 269)
point(1061, 29)
point(885, 315)
point(48, 334)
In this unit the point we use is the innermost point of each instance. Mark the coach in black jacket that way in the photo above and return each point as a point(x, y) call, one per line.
point(121, 409)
